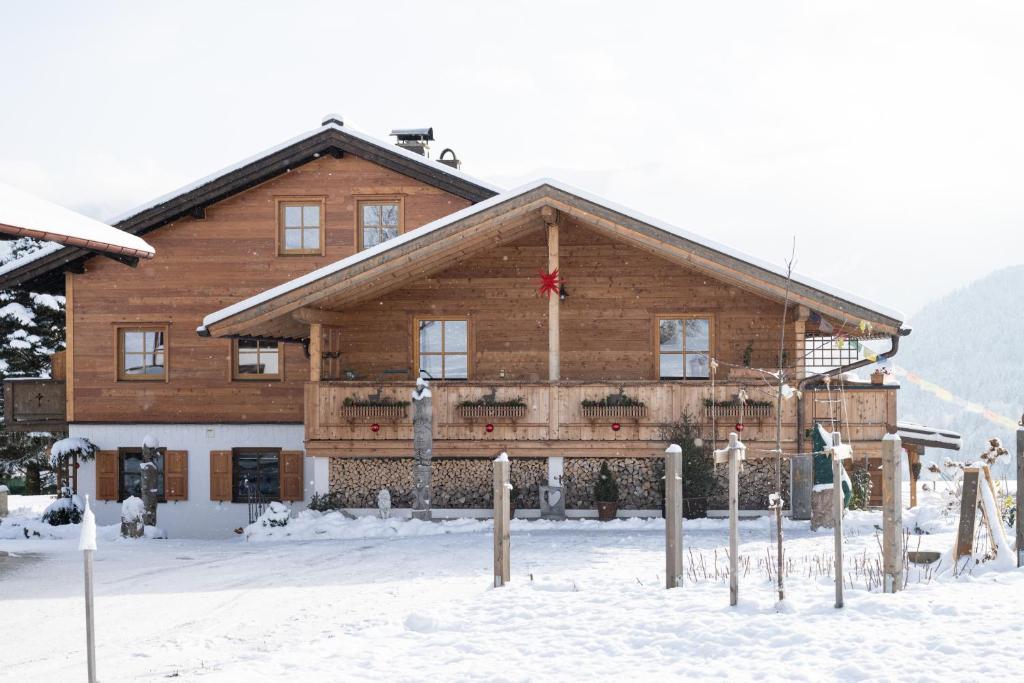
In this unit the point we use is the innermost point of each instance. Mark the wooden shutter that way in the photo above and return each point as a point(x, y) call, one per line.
point(220, 475)
point(176, 475)
point(291, 474)
point(108, 471)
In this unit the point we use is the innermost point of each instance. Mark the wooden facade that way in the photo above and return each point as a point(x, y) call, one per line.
point(205, 264)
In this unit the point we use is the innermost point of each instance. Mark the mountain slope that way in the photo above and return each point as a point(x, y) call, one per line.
point(970, 342)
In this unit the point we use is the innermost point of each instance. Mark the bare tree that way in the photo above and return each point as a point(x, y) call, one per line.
point(777, 500)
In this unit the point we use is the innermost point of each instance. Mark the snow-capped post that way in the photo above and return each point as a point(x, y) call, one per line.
point(87, 544)
point(673, 516)
point(422, 448)
point(734, 454)
point(1020, 494)
point(502, 507)
point(150, 491)
point(839, 453)
point(892, 514)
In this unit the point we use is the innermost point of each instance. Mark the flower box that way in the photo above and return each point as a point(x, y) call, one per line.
point(734, 410)
point(512, 412)
point(396, 411)
point(627, 412)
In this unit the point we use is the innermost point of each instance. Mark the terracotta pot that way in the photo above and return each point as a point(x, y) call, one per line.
point(606, 511)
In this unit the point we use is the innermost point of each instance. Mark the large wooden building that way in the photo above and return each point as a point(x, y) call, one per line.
point(296, 296)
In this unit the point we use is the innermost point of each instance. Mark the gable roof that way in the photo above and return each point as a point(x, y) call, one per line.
point(43, 270)
point(362, 270)
point(25, 215)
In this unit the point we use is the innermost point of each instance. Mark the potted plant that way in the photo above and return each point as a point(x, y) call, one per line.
point(606, 494)
point(878, 376)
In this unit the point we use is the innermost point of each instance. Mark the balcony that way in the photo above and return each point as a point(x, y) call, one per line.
point(540, 419)
point(34, 405)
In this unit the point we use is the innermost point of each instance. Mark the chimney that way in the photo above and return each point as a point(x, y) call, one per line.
point(453, 161)
point(414, 139)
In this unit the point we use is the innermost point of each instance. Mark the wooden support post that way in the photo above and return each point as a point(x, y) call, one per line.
point(913, 459)
point(734, 454)
point(550, 217)
point(87, 544)
point(839, 452)
point(316, 351)
point(502, 503)
point(423, 449)
point(1020, 496)
point(892, 514)
point(673, 516)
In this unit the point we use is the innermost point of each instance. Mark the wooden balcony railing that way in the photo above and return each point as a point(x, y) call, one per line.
point(553, 416)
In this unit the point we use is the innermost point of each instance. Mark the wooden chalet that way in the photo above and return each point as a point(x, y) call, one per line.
point(325, 274)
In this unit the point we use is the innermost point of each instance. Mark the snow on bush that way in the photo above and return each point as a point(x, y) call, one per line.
point(132, 509)
point(64, 511)
point(73, 445)
point(276, 515)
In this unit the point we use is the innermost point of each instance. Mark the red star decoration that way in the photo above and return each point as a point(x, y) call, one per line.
point(550, 283)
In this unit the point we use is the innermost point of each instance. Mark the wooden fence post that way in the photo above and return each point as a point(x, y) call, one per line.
point(502, 493)
point(1020, 495)
point(839, 453)
point(87, 544)
point(892, 514)
point(673, 516)
point(734, 453)
point(422, 449)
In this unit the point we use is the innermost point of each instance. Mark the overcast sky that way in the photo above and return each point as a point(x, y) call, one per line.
point(887, 137)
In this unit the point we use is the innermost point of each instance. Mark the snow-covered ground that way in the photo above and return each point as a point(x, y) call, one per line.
point(412, 601)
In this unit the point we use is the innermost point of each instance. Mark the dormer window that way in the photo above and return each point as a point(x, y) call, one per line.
point(300, 226)
point(379, 220)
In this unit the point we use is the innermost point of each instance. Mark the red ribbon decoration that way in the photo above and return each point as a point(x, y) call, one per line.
point(550, 283)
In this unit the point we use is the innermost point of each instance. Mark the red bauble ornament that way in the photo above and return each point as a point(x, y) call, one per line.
point(616, 426)
point(489, 428)
point(375, 427)
point(739, 426)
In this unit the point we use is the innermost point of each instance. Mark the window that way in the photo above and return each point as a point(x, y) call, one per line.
point(378, 221)
point(255, 471)
point(824, 352)
point(684, 347)
point(130, 469)
point(257, 359)
point(443, 348)
point(301, 226)
point(142, 353)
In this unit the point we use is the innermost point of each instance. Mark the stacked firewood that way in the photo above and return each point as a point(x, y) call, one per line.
point(455, 482)
point(639, 481)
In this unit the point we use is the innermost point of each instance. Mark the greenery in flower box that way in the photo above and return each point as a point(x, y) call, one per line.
point(619, 399)
point(488, 401)
point(374, 402)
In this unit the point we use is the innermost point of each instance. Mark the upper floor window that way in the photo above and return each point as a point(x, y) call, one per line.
point(443, 348)
point(379, 221)
point(142, 353)
point(684, 347)
point(257, 359)
point(300, 226)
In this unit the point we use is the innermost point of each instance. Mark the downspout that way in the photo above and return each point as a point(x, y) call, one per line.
point(895, 340)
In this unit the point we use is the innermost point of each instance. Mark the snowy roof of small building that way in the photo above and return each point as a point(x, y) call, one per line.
point(726, 252)
point(332, 135)
point(922, 435)
point(25, 215)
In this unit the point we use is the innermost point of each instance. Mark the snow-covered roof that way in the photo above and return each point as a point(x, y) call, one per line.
point(332, 122)
point(498, 199)
point(26, 215)
point(923, 435)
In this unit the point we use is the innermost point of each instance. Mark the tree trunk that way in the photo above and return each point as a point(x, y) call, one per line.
point(149, 485)
point(423, 447)
point(33, 482)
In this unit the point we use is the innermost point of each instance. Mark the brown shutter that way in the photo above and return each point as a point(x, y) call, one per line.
point(291, 474)
point(220, 475)
point(107, 473)
point(176, 475)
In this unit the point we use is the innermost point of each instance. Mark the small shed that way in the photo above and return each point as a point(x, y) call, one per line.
point(915, 438)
